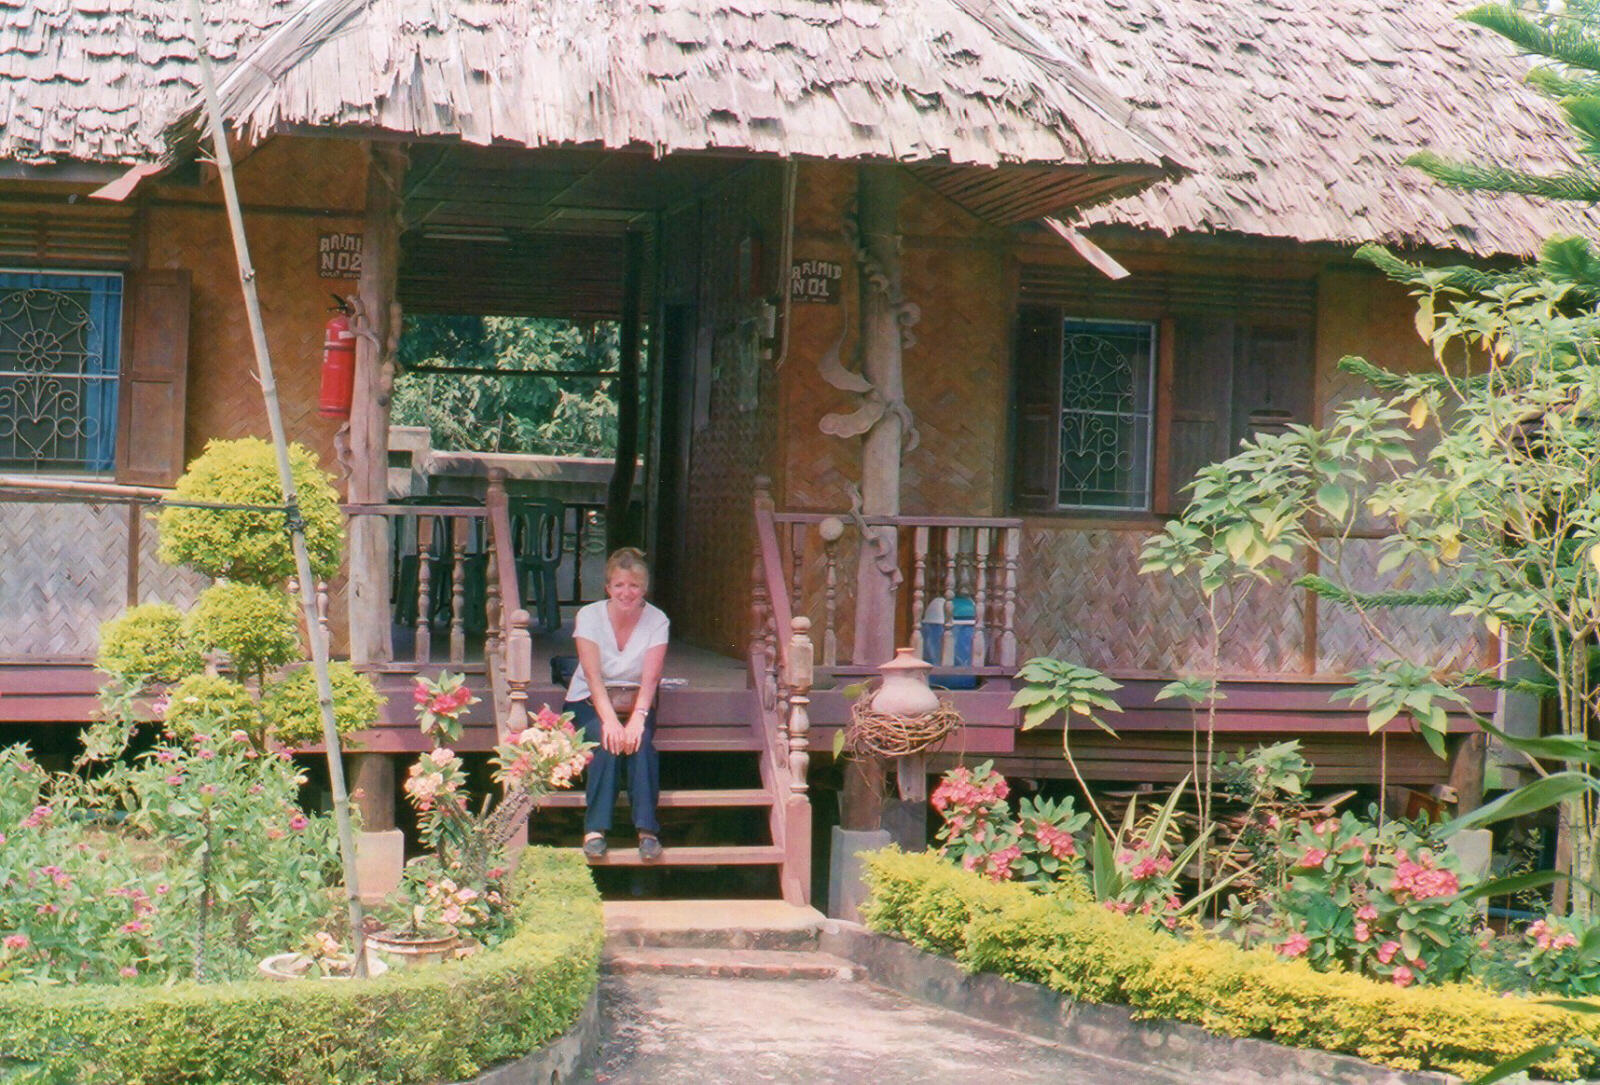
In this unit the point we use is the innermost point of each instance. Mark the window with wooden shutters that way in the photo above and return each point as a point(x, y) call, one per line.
point(154, 374)
point(1124, 390)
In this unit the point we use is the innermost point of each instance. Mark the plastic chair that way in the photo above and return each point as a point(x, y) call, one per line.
point(441, 565)
point(538, 534)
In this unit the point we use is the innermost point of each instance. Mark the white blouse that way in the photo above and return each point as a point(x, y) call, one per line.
point(618, 666)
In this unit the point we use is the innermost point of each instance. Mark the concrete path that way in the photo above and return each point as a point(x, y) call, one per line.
point(705, 1030)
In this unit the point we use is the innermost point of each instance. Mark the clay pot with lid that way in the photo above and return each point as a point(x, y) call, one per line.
point(905, 690)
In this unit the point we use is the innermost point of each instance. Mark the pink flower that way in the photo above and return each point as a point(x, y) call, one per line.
point(1145, 868)
point(1387, 951)
point(1403, 976)
point(134, 926)
point(1313, 857)
point(38, 817)
point(1363, 932)
point(205, 753)
point(166, 757)
point(274, 833)
point(1367, 912)
point(175, 779)
point(127, 972)
point(441, 756)
point(496, 873)
point(420, 693)
point(1294, 945)
point(298, 822)
point(47, 909)
point(15, 941)
point(209, 789)
point(239, 736)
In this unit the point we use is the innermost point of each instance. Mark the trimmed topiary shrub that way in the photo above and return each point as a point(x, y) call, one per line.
point(147, 643)
point(208, 704)
point(423, 1024)
point(249, 545)
point(1090, 953)
point(258, 628)
point(292, 714)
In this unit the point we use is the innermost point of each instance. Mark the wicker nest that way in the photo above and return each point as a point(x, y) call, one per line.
point(873, 732)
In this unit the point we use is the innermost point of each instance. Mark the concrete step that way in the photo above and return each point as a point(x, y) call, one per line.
point(731, 796)
point(772, 964)
point(732, 855)
point(711, 924)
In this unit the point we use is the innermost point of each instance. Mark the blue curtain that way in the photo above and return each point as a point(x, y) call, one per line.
point(100, 342)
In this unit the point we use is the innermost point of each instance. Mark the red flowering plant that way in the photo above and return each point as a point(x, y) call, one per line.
point(461, 885)
point(980, 834)
point(1559, 956)
point(1380, 901)
point(440, 705)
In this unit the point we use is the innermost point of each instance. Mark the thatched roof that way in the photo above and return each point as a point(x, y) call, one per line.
point(1296, 117)
point(97, 81)
point(907, 80)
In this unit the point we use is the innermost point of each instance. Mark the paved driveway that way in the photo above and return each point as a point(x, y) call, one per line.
point(691, 1030)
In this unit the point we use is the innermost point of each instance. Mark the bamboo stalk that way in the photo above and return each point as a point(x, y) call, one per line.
point(269, 394)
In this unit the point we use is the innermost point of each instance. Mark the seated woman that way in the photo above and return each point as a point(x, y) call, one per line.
point(622, 644)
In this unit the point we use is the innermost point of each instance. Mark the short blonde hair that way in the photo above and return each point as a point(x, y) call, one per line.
point(628, 559)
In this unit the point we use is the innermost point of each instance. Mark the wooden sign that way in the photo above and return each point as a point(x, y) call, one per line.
point(339, 256)
point(816, 281)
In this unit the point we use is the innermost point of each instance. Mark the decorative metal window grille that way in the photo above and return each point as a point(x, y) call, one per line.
point(60, 338)
point(1107, 377)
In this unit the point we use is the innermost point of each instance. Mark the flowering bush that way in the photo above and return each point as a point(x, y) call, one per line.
point(192, 863)
point(460, 885)
point(980, 834)
point(1556, 959)
point(440, 705)
point(1371, 900)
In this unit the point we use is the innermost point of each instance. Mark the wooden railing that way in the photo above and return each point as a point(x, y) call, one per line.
point(952, 558)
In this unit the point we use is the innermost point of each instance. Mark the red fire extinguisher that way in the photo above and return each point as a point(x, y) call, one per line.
point(338, 362)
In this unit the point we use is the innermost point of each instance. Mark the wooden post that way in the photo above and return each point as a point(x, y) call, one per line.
point(135, 512)
point(878, 210)
point(801, 658)
point(373, 776)
point(620, 491)
point(377, 337)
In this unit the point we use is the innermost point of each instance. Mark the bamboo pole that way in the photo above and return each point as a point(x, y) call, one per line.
point(297, 532)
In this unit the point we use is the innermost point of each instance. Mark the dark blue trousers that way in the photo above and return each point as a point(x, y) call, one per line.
point(609, 773)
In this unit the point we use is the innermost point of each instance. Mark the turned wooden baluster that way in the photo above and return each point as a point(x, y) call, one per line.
point(952, 543)
point(797, 546)
point(459, 527)
point(919, 584)
point(831, 530)
point(519, 671)
point(760, 620)
point(424, 640)
point(980, 597)
point(491, 595)
point(1008, 619)
point(798, 682)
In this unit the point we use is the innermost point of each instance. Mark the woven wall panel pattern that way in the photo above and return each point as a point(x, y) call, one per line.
point(1431, 636)
point(65, 571)
point(1080, 597)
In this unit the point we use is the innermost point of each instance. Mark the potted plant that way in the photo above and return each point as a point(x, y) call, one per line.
point(324, 957)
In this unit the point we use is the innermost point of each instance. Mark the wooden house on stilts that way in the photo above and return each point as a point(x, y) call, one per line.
point(863, 255)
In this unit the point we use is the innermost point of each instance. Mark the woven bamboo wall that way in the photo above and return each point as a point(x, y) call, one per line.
point(956, 372)
point(65, 572)
point(738, 439)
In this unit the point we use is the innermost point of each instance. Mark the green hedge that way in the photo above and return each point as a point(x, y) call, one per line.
point(426, 1024)
point(1092, 954)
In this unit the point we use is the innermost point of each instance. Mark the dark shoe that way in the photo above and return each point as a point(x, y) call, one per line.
point(649, 848)
point(594, 847)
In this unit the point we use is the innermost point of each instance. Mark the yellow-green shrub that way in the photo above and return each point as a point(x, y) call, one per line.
point(147, 643)
point(245, 544)
point(1090, 953)
point(425, 1024)
point(291, 710)
point(255, 626)
point(209, 704)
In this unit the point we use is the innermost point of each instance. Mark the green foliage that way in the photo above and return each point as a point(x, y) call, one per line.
point(250, 545)
point(1053, 687)
point(147, 643)
point(196, 861)
point(1040, 844)
point(294, 717)
point(563, 416)
point(1090, 954)
point(256, 627)
point(421, 1025)
point(209, 704)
